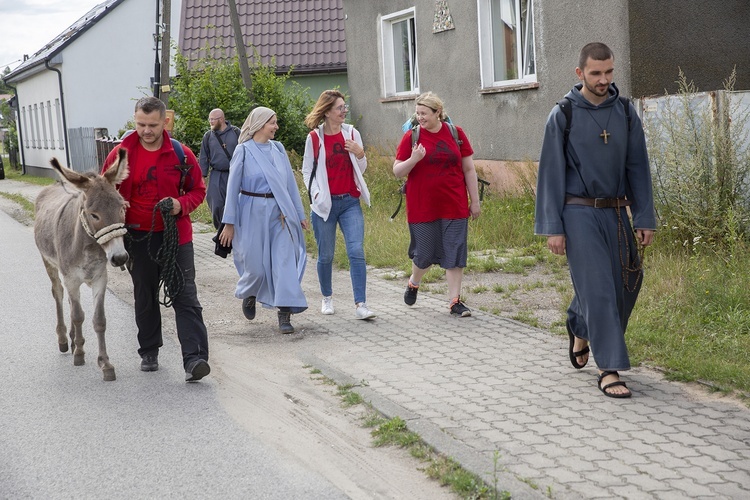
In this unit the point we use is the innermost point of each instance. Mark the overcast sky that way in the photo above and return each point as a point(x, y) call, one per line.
point(27, 25)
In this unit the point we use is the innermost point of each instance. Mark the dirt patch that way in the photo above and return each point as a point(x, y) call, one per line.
point(536, 296)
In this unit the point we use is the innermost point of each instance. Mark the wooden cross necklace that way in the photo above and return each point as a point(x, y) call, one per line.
point(604, 135)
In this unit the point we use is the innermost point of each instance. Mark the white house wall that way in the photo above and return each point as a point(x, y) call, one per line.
point(109, 67)
point(39, 91)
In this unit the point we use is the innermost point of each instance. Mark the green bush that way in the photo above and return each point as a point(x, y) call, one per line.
point(701, 165)
point(217, 83)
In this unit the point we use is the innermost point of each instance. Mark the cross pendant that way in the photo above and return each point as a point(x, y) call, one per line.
point(604, 135)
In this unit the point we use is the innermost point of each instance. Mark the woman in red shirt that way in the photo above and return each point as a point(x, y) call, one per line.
point(439, 173)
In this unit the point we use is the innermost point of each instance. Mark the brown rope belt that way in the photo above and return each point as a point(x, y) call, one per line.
point(633, 265)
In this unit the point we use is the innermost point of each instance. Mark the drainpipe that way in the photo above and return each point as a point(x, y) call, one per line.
point(20, 129)
point(62, 110)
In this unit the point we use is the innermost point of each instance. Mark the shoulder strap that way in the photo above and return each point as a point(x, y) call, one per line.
point(316, 152)
point(223, 145)
point(626, 103)
point(451, 127)
point(414, 135)
point(179, 151)
point(565, 107)
point(454, 133)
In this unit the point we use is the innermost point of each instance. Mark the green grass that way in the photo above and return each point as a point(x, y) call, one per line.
point(395, 432)
point(16, 175)
point(21, 200)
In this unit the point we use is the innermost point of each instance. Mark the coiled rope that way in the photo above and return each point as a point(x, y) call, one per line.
point(171, 279)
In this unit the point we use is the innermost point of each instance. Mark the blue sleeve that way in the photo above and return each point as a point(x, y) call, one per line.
point(550, 187)
point(639, 188)
point(203, 159)
point(234, 184)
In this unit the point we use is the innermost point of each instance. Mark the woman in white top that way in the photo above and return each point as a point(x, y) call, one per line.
point(332, 168)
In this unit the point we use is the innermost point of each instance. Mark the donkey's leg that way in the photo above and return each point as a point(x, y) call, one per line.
point(57, 294)
point(76, 319)
point(99, 291)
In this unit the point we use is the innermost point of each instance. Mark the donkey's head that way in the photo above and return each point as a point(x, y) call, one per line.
point(101, 208)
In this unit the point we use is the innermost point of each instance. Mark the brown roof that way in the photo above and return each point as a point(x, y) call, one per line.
point(308, 35)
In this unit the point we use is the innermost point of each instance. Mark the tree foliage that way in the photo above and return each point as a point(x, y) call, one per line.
point(213, 83)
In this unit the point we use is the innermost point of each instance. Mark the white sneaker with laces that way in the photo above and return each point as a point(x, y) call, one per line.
point(327, 306)
point(363, 312)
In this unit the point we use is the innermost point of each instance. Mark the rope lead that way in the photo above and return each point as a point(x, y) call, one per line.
point(171, 279)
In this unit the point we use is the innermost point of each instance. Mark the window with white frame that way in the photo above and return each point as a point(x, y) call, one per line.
point(506, 42)
point(61, 135)
point(399, 40)
point(44, 125)
point(51, 127)
point(38, 137)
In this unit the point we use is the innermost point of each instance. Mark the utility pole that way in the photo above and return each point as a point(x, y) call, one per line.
point(240, 44)
point(157, 66)
point(166, 51)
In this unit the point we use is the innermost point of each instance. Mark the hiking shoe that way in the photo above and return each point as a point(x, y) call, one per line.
point(196, 370)
point(363, 312)
point(285, 322)
point(410, 295)
point(248, 307)
point(459, 309)
point(150, 363)
point(327, 305)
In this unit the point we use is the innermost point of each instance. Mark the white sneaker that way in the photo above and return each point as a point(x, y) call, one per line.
point(362, 312)
point(327, 306)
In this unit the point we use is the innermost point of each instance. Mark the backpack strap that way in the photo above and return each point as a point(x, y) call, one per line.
point(223, 145)
point(626, 103)
point(316, 151)
point(566, 108)
point(451, 127)
point(179, 151)
point(183, 166)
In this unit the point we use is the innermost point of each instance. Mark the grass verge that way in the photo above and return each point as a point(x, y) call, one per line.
point(394, 432)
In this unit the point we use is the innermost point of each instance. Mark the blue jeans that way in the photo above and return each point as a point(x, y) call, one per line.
point(347, 212)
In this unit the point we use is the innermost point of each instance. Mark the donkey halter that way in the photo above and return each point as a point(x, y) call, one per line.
point(105, 234)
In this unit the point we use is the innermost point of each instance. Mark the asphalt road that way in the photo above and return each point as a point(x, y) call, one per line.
point(65, 433)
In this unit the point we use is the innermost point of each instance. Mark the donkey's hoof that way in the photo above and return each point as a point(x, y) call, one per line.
point(109, 374)
point(63, 347)
point(78, 360)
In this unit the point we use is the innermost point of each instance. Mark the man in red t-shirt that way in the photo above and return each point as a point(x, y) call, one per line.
point(156, 173)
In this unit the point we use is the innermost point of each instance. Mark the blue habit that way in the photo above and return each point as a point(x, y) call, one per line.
point(600, 245)
point(268, 244)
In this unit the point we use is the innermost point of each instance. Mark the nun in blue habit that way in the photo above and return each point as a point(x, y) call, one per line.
point(264, 221)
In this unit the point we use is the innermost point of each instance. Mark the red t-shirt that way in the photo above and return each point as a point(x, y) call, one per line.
point(145, 193)
point(339, 167)
point(435, 187)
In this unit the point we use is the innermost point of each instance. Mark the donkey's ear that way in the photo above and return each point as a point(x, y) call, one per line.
point(67, 174)
point(120, 170)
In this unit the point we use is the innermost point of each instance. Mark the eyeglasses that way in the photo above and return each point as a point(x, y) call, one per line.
point(342, 109)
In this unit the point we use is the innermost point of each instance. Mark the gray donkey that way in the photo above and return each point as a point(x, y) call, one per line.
point(79, 227)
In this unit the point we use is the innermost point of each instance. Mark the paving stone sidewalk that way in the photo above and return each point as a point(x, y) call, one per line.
point(483, 387)
point(501, 398)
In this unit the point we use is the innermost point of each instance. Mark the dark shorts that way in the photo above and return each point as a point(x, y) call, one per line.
point(442, 242)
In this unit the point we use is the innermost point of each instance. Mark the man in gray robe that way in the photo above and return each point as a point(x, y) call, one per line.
point(217, 148)
point(587, 178)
